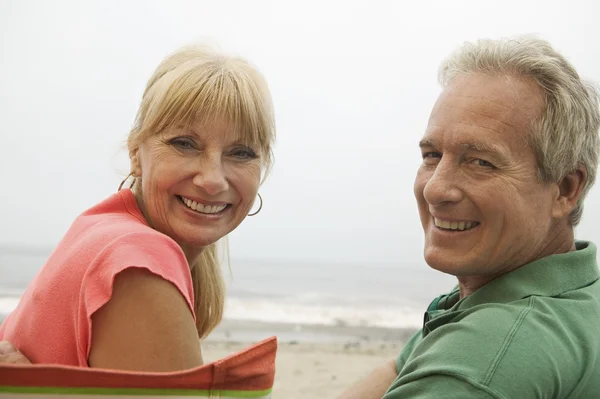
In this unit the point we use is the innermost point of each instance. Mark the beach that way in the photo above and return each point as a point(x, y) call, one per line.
point(313, 361)
point(334, 322)
point(307, 370)
point(324, 364)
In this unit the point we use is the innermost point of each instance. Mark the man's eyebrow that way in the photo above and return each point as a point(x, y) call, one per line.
point(480, 147)
point(465, 146)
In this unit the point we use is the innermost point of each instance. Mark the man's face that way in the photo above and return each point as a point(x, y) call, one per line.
point(482, 207)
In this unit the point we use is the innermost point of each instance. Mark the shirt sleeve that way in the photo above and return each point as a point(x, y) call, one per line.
point(440, 386)
point(152, 251)
point(407, 350)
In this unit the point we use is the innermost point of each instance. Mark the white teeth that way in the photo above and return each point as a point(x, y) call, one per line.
point(464, 225)
point(198, 207)
point(442, 224)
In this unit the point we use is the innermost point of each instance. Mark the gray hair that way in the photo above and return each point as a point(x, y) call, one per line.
point(567, 133)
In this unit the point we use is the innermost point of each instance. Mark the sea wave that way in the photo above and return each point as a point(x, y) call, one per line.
point(293, 311)
point(7, 305)
point(287, 311)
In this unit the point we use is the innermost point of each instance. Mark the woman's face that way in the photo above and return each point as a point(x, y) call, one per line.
point(197, 185)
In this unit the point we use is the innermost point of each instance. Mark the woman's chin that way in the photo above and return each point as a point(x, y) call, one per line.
point(191, 244)
point(193, 236)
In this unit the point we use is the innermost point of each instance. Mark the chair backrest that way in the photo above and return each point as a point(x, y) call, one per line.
point(246, 374)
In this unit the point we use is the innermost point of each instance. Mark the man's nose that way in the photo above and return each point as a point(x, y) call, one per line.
point(444, 184)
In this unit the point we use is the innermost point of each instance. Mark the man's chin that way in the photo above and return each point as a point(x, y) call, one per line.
point(449, 262)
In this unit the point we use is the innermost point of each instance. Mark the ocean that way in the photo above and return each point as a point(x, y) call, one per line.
point(308, 293)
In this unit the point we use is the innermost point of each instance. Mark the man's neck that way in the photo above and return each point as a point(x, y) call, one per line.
point(558, 244)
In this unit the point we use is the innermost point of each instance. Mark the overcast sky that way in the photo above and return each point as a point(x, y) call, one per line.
point(353, 84)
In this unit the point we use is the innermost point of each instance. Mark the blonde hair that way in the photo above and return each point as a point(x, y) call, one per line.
point(198, 84)
point(567, 133)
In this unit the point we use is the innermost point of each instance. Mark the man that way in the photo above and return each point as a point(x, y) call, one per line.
point(510, 152)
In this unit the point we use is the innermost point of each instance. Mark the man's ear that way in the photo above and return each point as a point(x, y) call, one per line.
point(135, 164)
point(570, 189)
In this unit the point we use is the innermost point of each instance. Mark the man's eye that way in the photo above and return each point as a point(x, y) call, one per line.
point(484, 163)
point(432, 154)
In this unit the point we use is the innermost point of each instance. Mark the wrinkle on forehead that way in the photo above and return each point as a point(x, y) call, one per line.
point(524, 97)
point(481, 114)
point(485, 113)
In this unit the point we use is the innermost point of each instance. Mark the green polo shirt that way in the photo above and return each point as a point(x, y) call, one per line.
point(531, 333)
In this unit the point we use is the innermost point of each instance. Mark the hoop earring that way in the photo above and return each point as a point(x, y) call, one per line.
point(259, 208)
point(125, 179)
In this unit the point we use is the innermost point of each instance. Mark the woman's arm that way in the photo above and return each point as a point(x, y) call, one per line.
point(145, 326)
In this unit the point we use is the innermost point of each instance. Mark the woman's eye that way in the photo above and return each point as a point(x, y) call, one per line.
point(244, 153)
point(182, 143)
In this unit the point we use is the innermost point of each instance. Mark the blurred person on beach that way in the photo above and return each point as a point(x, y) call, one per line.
point(510, 152)
point(141, 268)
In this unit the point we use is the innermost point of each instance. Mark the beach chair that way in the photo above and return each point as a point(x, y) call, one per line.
point(246, 374)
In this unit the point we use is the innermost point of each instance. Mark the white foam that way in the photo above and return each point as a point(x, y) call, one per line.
point(298, 312)
point(8, 304)
point(269, 310)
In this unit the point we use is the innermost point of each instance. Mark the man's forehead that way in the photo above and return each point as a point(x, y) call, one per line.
point(484, 113)
point(493, 96)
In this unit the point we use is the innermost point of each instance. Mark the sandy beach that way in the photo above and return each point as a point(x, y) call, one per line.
point(322, 365)
point(307, 370)
point(313, 361)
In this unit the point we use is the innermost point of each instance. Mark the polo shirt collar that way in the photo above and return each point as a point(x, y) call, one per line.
point(549, 276)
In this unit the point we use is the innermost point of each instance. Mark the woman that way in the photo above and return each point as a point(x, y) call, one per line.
point(140, 268)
